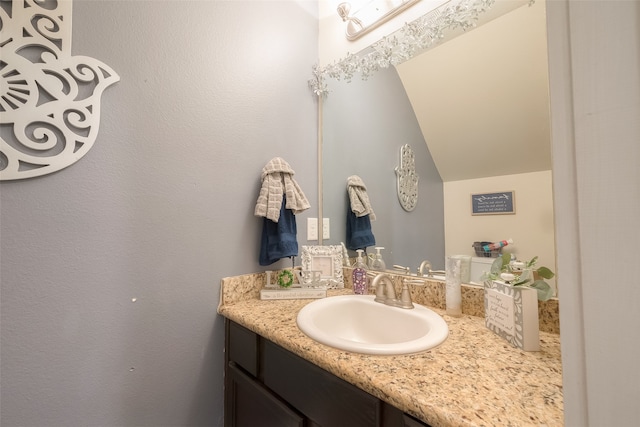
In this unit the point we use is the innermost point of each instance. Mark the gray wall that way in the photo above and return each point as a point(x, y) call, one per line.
point(159, 210)
point(364, 125)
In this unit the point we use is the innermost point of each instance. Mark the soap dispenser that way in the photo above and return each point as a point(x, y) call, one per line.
point(360, 275)
point(378, 263)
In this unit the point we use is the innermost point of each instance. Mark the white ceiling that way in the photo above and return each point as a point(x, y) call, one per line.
point(482, 100)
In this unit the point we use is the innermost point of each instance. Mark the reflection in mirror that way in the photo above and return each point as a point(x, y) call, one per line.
point(479, 126)
point(362, 17)
point(367, 144)
point(407, 179)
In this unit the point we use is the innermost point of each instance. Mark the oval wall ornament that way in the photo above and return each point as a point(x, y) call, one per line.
point(49, 99)
point(407, 179)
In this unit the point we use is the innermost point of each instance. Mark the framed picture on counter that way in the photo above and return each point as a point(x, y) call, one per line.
point(327, 260)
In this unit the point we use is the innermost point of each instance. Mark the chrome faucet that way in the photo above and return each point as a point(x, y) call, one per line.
point(387, 294)
point(424, 264)
point(382, 295)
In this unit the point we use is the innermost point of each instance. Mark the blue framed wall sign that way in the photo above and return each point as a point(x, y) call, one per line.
point(501, 203)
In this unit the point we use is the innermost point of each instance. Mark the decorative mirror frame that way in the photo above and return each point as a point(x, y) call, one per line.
point(412, 39)
point(327, 260)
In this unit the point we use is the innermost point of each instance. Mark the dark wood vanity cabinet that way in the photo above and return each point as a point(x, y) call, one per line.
point(266, 385)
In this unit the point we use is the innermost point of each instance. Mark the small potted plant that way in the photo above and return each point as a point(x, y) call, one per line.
point(524, 274)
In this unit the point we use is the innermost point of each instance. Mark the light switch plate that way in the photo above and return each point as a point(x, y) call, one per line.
point(325, 228)
point(312, 228)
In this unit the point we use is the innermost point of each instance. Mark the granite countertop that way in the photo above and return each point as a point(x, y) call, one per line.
point(474, 378)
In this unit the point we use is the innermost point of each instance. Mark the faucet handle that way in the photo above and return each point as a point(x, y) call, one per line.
point(406, 270)
point(405, 296)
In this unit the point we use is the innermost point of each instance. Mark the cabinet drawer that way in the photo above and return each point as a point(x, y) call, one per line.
point(242, 345)
point(322, 397)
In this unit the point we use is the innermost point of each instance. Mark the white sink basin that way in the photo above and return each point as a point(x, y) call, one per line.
point(359, 324)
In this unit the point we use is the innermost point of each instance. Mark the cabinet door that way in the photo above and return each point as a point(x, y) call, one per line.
point(322, 397)
point(409, 421)
point(394, 417)
point(242, 347)
point(249, 404)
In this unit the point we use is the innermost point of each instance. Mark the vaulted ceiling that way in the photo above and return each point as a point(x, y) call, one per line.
point(482, 98)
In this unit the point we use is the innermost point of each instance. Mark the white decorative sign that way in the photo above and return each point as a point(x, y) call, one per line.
point(299, 293)
point(49, 100)
point(407, 179)
point(512, 313)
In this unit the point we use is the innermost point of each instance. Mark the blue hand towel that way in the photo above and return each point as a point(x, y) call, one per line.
point(279, 239)
point(359, 234)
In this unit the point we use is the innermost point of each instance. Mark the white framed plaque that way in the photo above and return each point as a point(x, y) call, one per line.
point(512, 313)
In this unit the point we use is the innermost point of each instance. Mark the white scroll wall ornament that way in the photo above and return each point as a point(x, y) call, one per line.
point(49, 99)
point(407, 179)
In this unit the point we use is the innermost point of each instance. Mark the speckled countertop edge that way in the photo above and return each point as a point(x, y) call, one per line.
point(473, 379)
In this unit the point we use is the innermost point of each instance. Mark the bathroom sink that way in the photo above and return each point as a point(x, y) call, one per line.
point(359, 324)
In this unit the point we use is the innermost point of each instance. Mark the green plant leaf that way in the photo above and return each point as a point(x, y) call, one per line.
point(506, 259)
point(496, 266)
point(545, 273)
point(526, 274)
point(521, 282)
point(532, 262)
point(487, 277)
point(544, 290)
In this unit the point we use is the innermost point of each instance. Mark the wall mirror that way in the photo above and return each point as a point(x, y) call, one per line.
point(474, 106)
